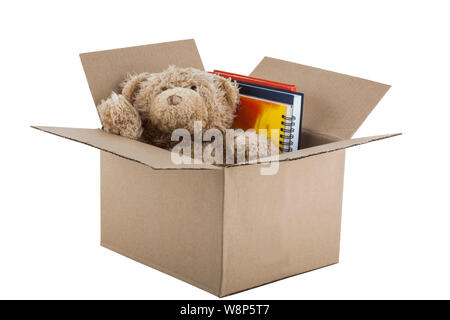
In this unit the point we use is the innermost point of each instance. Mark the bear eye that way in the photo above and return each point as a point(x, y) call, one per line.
point(164, 88)
point(194, 88)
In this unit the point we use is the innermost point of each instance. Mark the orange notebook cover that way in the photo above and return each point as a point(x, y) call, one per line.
point(262, 82)
point(255, 113)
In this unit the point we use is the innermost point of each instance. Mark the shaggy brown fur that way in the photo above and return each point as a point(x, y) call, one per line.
point(151, 106)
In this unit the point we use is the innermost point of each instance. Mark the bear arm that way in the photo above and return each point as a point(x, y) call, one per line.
point(118, 116)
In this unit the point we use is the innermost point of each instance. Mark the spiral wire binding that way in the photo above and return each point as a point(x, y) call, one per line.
point(287, 143)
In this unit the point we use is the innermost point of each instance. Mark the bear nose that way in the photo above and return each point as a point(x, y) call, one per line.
point(174, 100)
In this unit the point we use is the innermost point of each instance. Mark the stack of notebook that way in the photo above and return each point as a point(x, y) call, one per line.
point(269, 105)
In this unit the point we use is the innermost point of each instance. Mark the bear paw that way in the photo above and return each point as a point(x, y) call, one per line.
point(118, 116)
point(250, 146)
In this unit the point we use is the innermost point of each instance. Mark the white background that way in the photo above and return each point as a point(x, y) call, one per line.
point(395, 228)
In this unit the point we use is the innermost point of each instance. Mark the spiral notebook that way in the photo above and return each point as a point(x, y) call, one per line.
point(267, 108)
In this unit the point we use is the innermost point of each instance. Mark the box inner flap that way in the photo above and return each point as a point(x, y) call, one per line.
point(140, 152)
point(106, 69)
point(335, 104)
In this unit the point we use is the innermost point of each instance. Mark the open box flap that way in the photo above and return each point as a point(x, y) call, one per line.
point(140, 152)
point(333, 146)
point(329, 147)
point(335, 104)
point(106, 69)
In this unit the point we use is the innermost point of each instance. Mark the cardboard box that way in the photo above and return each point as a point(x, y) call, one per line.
point(227, 229)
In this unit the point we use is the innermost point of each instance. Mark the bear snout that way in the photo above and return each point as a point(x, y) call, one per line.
point(177, 108)
point(174, 100)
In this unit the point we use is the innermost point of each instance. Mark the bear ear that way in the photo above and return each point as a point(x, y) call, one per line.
point(231, 90)
point(131, 84)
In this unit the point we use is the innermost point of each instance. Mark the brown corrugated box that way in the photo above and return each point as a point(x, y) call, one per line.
point(227, 229)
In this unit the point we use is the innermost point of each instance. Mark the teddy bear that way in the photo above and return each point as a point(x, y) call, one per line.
point(151, 106)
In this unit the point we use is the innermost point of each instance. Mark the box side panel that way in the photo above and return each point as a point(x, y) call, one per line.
point(170, 220)
point(281, 225)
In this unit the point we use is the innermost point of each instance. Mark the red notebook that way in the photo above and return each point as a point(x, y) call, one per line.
point(262, 82)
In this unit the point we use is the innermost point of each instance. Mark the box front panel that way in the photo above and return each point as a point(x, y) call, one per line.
point(170, 220)
point(281, 225)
